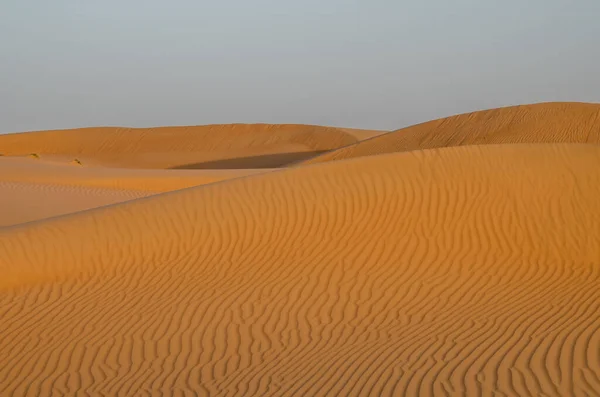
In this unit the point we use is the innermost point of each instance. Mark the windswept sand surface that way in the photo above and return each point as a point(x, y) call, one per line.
point(467, 270)
point(539, 123)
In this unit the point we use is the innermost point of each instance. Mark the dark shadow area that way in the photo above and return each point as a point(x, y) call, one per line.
point(263, 161)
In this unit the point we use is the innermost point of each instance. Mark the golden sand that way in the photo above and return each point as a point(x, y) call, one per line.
point(465, 270)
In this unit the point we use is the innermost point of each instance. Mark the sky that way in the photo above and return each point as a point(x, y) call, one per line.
point(377, 64)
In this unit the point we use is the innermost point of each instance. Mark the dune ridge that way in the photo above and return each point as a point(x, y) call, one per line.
point(246, 145)
point(555, 122)
point(463, 270)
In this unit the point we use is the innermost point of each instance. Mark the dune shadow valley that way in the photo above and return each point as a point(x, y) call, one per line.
point(456, 257)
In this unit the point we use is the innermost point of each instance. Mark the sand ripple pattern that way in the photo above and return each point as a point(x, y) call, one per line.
point(469, 270)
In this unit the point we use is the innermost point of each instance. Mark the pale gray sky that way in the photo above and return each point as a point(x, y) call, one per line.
point(378, 64)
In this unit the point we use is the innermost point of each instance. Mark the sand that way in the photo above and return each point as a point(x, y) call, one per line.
point(231, 146)
point(538, 123)
point(34, 189)
point(467, 270)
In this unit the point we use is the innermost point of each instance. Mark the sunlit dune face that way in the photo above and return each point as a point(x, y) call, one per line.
point(467, 263)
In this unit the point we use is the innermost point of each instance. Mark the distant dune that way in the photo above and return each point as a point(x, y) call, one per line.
point(52, 173)
point(468, 263)
point(208, 147)
point(539, 123)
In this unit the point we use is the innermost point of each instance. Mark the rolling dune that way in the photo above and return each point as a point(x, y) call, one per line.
point(212, 146)
point(22, 202)
point(538, 123)
point(33, 171)
point(33, 189)
point(467, 270)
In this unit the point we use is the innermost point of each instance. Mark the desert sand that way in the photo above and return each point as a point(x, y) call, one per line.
point(33, 189)
point(229, 146)
point(465, 268)
point(539, 123)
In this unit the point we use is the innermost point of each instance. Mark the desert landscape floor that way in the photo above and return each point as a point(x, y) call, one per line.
point(33, 189)
point(467, 269)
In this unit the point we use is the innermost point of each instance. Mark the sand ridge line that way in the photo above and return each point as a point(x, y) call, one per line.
point(210, 146)
point(554, 122)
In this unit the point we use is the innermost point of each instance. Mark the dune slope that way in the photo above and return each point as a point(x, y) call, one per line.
point(538, 123)
point(22, 202)
point(14, 169)
point(206, 147)
point(33, 189)
point(441, 272)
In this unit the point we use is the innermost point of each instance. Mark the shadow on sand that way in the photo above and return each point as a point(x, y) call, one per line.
point(263, 161)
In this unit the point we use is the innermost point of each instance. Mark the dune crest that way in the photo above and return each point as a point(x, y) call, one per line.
point(553, 122)
point(205, 147)
point(466, 270)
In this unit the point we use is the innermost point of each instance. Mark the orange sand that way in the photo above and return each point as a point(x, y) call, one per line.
point(213, 146)
point(452, 271)
point(36, 189)
point(540, 123)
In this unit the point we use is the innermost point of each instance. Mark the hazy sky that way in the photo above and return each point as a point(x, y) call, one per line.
point(368, 64)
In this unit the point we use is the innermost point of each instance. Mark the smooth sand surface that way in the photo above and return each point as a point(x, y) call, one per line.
point(467, 270)
point(230, 146)
point(33, 189)
point(22, 202)
point(538, 123)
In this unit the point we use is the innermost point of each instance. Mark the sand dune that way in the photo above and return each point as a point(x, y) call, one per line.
point(22, 202)
point(24, 170)
point(37, 189)
point(469, 270)
point(539, 123)
point(212, 146)
point(36, 184)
